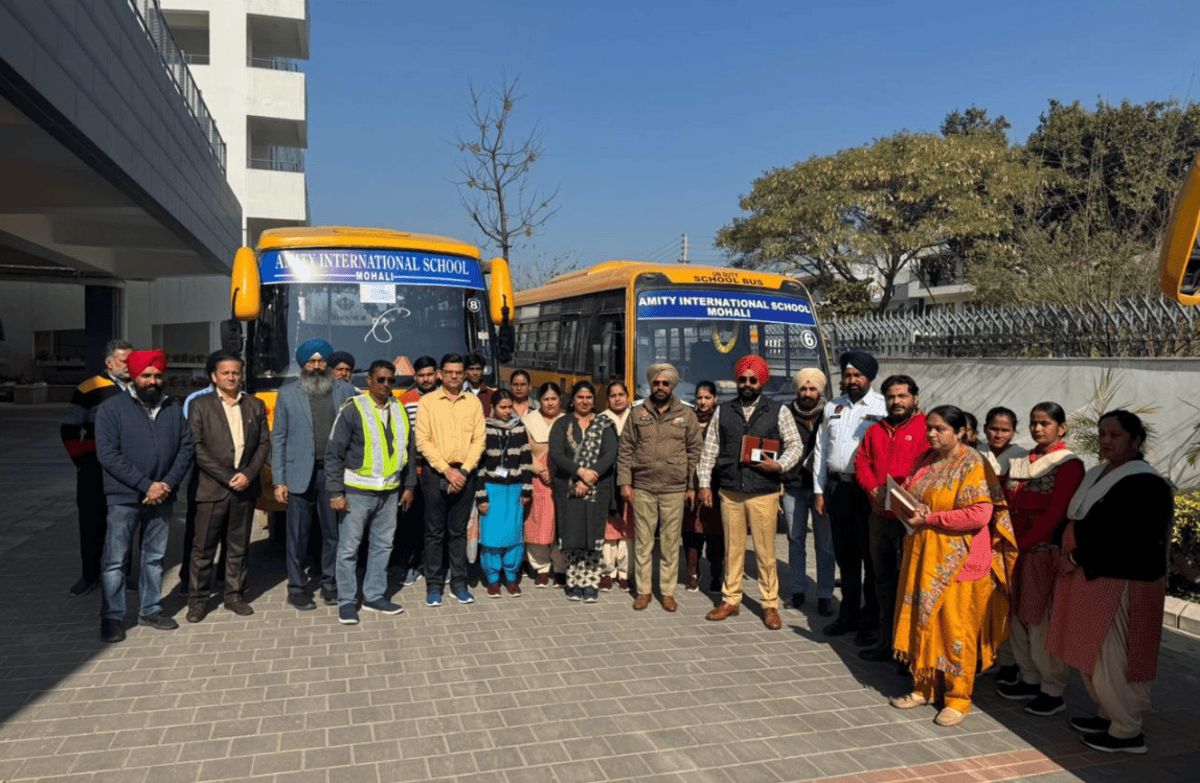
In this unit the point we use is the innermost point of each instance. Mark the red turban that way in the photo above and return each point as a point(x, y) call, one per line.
point(756, 365)
point(138, 361)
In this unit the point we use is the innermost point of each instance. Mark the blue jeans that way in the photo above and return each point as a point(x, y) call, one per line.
point(376, 510)
point(123, 521)
point(796, 505)
point(300, 510)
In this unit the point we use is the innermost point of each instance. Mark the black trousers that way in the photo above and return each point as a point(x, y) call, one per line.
point(189, 535)
point(408, 547)
point(446, 517)
point(219, 521)
point(849, 511)
point(887, 547)
point(93, 515)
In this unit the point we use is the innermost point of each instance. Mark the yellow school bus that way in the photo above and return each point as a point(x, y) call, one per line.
point(615, 319)
point(376, 293)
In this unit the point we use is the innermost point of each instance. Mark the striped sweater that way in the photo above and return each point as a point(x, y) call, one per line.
point(78, 428)
point(508, 449)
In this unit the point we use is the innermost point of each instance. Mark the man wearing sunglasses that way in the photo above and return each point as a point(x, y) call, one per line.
point(749, 490)
point(370, 455)
point(659, 449)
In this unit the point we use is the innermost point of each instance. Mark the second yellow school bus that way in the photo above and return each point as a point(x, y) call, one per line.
point(615, 319)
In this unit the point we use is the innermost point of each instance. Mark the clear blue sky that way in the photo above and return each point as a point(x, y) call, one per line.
point(657, 117)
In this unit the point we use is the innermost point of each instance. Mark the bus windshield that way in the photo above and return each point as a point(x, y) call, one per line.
point(704, 332)
point(371, 319)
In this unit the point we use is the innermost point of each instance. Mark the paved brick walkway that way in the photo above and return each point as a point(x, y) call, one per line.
point(533, 689)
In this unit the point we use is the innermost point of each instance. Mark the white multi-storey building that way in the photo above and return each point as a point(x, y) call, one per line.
point(245, 56)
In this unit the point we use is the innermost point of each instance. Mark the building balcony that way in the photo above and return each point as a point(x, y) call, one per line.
point(278, 95)
point(277, 29)
point(276, 195)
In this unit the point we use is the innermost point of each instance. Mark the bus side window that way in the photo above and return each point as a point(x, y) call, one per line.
point(569, 345)
point(606, 347)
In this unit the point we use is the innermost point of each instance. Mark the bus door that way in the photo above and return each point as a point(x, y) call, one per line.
point(608, 349)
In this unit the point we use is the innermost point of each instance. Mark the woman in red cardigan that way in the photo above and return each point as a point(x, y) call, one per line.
point(1041, 485)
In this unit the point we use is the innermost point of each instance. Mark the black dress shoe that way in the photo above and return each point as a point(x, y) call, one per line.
point(82, 588)
point(112, 631)
point(866, 637)
point(841, 626)
point(302, 601)
point(329, 595)
point(158, 621)
point(875, 654)
point(825, 607)
point(797, 600)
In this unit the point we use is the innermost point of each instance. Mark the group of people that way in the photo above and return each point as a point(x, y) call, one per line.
point(952, 556)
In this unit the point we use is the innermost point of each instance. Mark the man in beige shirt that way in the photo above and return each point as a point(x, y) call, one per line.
point(232, 444)
point(450, 436)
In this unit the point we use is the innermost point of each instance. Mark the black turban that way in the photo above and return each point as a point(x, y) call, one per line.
point(339, 357)
point(862, 361)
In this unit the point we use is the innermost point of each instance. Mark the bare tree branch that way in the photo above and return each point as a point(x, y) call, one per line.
point(494, 184)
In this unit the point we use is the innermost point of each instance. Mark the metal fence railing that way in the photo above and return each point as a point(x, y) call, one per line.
point(273, 63)
point(279, 159)
point(1148, 326)
point(149, 14)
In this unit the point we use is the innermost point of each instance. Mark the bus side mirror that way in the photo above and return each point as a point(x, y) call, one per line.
point(500, 297)
point(1179, 263)
point(245, 286)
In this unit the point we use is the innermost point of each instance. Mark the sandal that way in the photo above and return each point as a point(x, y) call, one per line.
point(949, 717)
point(909, 701)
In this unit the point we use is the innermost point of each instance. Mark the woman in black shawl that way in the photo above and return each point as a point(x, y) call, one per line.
point(583, 452)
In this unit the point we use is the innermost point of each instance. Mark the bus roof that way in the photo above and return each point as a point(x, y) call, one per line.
point(352, 236)
point(611, 275)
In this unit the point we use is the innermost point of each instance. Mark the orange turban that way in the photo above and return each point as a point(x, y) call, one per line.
point(756, 365)
point(138, 361)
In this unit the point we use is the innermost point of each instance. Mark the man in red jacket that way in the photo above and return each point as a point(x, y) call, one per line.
point(890, 448)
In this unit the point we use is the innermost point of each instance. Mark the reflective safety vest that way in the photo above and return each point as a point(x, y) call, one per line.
point(380, 470)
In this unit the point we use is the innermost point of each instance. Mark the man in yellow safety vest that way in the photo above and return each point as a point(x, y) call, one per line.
point(370, 456)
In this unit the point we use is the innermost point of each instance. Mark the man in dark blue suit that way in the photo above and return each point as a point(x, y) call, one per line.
point(304, 415)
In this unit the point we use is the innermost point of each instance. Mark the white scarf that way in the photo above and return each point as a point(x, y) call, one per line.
point(1024, 470)
point(1001, 463)
point(1096, 485)
point(618, 418)
point(538, 426)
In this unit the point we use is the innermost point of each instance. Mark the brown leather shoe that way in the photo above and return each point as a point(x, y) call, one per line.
point(771, 619)
point(239, 607)
point(723, 611)
point(642, 601)
point(669, 603)
point(195, 612)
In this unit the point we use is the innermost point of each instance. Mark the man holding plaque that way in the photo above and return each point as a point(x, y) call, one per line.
point(753, 443)
point(890, 449)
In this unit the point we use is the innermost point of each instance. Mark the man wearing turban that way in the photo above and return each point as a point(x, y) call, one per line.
point(657, 457)
point(808, 411)
point(748, 477)
point(341, 365)
point(847, 418)
point(304, 415)
point(145, 447)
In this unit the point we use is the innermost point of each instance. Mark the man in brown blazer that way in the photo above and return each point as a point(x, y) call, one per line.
point(232, 444)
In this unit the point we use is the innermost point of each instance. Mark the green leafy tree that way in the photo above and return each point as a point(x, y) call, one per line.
point(1090, 233)
point(879, 207)
point(845, 299)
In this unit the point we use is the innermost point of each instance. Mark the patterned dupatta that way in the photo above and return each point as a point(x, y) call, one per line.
point(934, 557)
point(587, 450)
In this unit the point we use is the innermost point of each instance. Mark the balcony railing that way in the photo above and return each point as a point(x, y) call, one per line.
point(174, 60)
point(289, 159)
point(273, 63)
point(195, 59)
